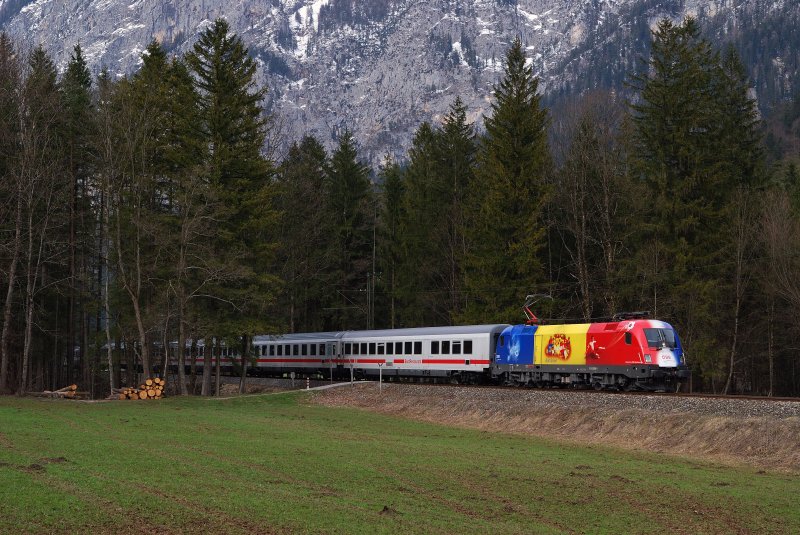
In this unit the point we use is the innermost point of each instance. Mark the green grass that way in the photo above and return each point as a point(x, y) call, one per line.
point(275, 464)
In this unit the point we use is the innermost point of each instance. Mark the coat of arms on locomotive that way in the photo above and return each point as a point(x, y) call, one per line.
point(559, 347)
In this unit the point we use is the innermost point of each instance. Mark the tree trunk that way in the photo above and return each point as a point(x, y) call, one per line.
point(104, 269)
point(181, 352)
point(12, 281)
point(217, 378)
point(733, 344)
point(245, 359)
point(207, 365)
point(770, 350)
point(29, 289)
point(193, 365)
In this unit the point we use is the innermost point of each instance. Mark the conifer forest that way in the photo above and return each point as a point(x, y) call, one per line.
point(145, 212)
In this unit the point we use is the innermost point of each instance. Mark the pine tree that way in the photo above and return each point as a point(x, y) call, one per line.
point(456, 150)
point(391, 216)
point(78, 117)
point(234, 122)
point(697, 149)
point(234, 130)
point(134, 168)
point(12, 190)
point(352, 213)
point(432, 229)
point(424, 198)
point(507, 198)
point(304, 234)
point(45, 195)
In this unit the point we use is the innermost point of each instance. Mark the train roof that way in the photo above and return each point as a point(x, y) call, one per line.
point(313, 337)
point(384, 333)
point(457, 330)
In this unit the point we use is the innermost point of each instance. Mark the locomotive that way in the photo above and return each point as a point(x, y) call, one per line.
point(628, 352)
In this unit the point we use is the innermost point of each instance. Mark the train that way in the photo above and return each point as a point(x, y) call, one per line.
point(630, 351)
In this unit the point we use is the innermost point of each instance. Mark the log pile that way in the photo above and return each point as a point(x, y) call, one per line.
point(68, 392)
point(150, 389)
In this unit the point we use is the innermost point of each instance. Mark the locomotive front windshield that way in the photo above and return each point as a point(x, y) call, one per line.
point(661, 338)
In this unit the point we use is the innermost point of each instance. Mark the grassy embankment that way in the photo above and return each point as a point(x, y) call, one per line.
point(274, 464)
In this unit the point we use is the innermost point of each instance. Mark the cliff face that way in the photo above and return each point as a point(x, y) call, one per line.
point(381, 67)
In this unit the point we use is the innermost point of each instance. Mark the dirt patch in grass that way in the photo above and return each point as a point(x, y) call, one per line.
point(228, 390)
point(764, 442)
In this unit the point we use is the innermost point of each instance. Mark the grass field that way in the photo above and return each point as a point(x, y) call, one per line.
point(274, 464)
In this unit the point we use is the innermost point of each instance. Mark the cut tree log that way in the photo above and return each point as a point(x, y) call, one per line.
point(152, 388)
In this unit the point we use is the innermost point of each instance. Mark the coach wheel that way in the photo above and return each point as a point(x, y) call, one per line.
point(597, 385)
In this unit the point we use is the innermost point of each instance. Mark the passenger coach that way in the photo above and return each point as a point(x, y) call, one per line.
point(463, 354)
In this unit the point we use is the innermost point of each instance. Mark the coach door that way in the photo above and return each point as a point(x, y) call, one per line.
point(330, 353)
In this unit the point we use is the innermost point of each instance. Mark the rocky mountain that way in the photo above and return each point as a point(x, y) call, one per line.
point(381, 67)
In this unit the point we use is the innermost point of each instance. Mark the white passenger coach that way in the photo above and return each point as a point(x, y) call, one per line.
point(460, 353)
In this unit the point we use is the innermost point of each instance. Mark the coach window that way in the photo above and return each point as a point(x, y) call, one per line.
point(296, 350)
point(304, 349)
point(457, 347)
point(408, 348)
point(468, 347)
point(313, 348)
point(287, 350)
point(390, 348)
point(446, 347)
point(381, 349)
point(372, 348)
point(628, 338)
point(280, 351)
point(271, 350)
point(418, 348)
point(435, 348)
point(364, 348)
point(347, 347)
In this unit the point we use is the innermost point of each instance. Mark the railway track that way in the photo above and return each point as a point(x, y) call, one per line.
point(695, 395)
point(300, 383)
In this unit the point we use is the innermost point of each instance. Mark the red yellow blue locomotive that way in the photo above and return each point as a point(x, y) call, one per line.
point(628, 352)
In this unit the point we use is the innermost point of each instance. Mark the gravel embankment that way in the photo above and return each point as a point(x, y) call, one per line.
point(760, 433)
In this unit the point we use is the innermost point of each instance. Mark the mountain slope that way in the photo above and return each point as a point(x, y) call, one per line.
point(381, 67)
